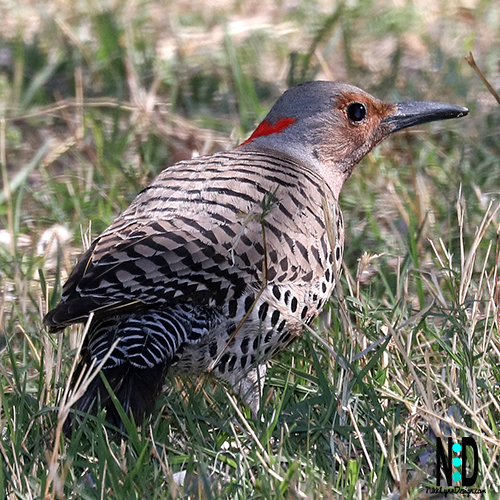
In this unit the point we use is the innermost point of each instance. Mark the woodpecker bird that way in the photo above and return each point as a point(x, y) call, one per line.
point(217, 265)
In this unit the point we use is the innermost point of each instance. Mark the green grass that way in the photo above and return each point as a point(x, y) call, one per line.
point(95, 101)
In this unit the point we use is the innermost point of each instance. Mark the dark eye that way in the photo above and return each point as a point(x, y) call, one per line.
point(356, 112)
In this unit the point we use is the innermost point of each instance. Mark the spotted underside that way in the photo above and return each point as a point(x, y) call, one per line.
point(234, 240)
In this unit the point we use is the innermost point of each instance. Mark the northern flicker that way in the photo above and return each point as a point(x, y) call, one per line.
point(218, 264)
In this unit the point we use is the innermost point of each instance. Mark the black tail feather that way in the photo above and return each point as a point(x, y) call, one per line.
point(136, 389)
point(146, 342)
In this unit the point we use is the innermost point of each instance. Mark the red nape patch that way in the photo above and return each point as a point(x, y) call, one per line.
point(265, 128)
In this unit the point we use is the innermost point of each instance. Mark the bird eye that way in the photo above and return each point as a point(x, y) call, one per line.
point(356, 112)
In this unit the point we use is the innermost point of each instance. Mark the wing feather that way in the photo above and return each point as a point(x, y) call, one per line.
point(189, 236)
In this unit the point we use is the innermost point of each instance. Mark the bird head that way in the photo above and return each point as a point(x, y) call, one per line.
point(330, 126)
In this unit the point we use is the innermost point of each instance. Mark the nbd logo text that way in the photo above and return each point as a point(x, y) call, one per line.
point(456, 458)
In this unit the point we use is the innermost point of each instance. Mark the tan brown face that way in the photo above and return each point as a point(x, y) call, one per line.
point(363, 112)
point(359, 118)
point(362, 121)
point(353, 127)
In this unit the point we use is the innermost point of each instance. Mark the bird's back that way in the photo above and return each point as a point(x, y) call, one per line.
point(200, 231)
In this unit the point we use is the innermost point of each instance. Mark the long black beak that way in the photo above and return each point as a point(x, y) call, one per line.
point(414, 113)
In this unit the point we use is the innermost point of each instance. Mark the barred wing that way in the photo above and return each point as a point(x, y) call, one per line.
point(195, 234)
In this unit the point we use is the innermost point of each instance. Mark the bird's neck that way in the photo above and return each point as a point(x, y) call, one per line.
point(334, 175)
